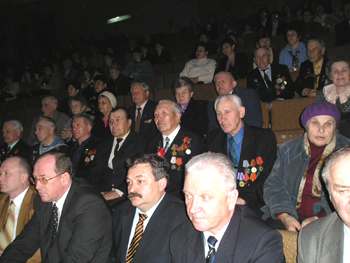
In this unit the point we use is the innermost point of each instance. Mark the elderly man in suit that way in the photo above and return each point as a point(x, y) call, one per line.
point(49, 109)
point(225, 84)
point(251, 150)
point(82, 152)
point(220, 230)
point(174, 143)
point(13, 144)
point(327, 239)
point(312, 75)
point(109, 173)
point(148, 202)
point(16, 200)
point(271, 81)
point(143, 111)
point(71, 222)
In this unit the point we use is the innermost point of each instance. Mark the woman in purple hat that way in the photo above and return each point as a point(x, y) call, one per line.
point(293, 191)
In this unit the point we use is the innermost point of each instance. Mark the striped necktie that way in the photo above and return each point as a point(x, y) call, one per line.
point(7, 232)
point(136, 239)
point(211, 254)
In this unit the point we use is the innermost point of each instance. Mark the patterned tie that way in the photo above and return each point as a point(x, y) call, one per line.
point(7, 232)
point(136, 239)
point(138, 120)
point(295, 60)
point(55, 221)
point(211, 254)
point(232, 152)
point(267, 79)
point(166, 144)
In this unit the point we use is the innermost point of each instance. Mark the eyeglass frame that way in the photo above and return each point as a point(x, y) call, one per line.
point(43, 179)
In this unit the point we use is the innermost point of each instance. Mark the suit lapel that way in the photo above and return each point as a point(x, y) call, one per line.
point(25, 212)
point(4, 205)
point(126, 228)
point(195, 250)
point(247, 145)
point(334, 243)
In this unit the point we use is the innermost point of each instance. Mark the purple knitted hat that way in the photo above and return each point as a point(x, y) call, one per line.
point(320, 108)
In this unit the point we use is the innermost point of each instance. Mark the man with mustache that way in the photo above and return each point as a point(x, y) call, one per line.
point(108, 175)
point(150, 213)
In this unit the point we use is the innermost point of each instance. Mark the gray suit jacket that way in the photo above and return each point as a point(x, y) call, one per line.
point(322, 241)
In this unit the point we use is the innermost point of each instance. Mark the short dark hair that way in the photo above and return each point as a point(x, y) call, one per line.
point(102, 78)
point(75, 83)
point(182, 82)
point(63, 164)
point(79, 98)
point(202, 44)
point(159, 165)
point(127, 113)
point(229, 41)
point(262, 35)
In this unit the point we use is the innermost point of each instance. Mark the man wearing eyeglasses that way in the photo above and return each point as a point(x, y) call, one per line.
point(71, 222)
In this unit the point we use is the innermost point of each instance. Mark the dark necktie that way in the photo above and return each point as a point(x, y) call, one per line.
point(267, 79)
point(295, 60)
point(138, 120)
point(54, 221)
point(211, 254)
point(136, 239)
point(166, 147)
point(117, 146)
point(232, 152)
point(8, 150)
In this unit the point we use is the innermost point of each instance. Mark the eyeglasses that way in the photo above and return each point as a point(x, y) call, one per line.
point(43, 180)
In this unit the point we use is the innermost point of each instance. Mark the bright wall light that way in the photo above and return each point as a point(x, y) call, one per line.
point(118, 19)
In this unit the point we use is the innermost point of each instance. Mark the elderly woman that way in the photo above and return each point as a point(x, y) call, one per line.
point(200, 69)
point(338, 92)
point(78, 104)
point(106, 102)
point(235, 63)
point(193, 112)
point(293, 192)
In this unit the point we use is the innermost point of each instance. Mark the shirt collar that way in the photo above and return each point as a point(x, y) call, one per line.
point(150, 211)
point(172, 135)
point(19, 198)
point(13, 144)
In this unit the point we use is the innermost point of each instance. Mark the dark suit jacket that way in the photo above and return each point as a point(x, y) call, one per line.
point(250, 101)
point(256, 81)
point(240, 68)
point(84, 232)
point(154, 245)
point(247, 239)
point(21, 149)
point(105, 178)
point(342, 33)
point(176, 181)
point(257, 142)
point(195, 118)
point(84, 166)
point(147, 125)
point(322, 241)
point(306, 78)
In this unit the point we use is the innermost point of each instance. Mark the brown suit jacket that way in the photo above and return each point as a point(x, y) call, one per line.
point(25, 214)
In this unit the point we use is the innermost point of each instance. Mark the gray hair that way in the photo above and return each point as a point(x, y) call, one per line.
point(144, 86)
point(176, 107)
point(234, 98)
point(267, 50)
point(222, 72)
point(159, 165)
point(50, 122)
point(331, 160)
point(182, 82)
point(319, 40)
point(86, 117)
point(219, 161)
point(16, 125)
point(53, 99)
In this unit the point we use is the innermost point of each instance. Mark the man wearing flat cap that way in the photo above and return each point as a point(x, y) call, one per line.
point(293, 192)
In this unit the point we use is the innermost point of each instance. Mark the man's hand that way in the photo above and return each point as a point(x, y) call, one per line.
point(290, 222)
point(240, 201)
point(195, 80)
point(309, 92)
point(308, 221)
point(66, 133)
point(110, 195)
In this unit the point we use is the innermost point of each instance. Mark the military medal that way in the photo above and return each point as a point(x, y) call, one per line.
point(173, 167)
point(240, 177)
point(188, 151)
point(260, 161)
point(254, 170)
point(174, 150)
